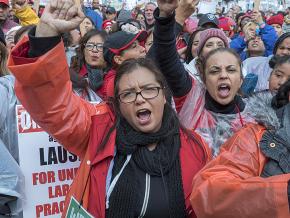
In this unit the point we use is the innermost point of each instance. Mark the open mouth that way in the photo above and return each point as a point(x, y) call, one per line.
point(143, 116)
point(224, 90)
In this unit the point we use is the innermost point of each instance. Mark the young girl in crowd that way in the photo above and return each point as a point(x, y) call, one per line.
point(280, 73)
point(250, 178)
point(88, 66)
point(260, 65)
point(136, 160)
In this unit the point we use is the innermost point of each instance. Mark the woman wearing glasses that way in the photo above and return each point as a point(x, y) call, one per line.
point(87, 67)
point(137, 161)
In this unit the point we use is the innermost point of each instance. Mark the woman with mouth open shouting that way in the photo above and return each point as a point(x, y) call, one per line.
point(137, 161)
point(251, 176)
point(214, 109)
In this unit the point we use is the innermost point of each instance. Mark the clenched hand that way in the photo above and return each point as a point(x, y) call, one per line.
point(59, 16)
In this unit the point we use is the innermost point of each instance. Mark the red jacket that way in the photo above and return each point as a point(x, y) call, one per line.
point(98, 163)
point(46, 93)
point(233, 182)
point(107, 89)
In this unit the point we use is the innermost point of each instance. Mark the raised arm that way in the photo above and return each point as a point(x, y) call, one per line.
point(269, 37)
point(231, 186)
point(267, 32)
point(166, 54)
point(184, 10)
point(42, 79)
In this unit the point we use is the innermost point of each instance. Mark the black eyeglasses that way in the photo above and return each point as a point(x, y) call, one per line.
point(91, 46)
point(146, 93)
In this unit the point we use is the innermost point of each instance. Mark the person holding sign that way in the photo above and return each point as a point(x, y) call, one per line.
point(136, 160)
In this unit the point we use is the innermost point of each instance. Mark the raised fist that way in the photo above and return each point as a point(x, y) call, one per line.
point(185, 9)
point(59, 16)
point(167, 7)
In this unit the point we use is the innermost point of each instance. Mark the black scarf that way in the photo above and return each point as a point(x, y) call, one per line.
point(163, 161)
point(234, 107)
point(96, 77)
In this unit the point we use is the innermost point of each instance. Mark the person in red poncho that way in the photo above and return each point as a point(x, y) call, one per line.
point(137, 160)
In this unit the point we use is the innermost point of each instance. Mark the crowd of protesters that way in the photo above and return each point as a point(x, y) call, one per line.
point(171, 112)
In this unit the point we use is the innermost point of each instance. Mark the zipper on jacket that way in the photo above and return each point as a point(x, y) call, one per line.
point(146, 196)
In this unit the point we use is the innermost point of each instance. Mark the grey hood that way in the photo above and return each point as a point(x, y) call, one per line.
point(259, 107)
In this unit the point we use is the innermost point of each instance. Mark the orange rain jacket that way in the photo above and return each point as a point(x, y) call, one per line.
point(230, 186)
point(44, 88)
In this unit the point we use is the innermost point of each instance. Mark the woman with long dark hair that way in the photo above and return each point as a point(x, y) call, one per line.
point(87, 68)
point(136, 160)
point(280, 73)
point(251, 175)
point(192, 46)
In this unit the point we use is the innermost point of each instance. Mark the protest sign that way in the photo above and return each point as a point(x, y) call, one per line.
point(75, 210)
point(48, 168)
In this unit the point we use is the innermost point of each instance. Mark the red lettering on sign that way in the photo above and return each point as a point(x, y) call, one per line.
point(25, 122)
point(58, 191)
point(43, 177)
point(49, 209)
